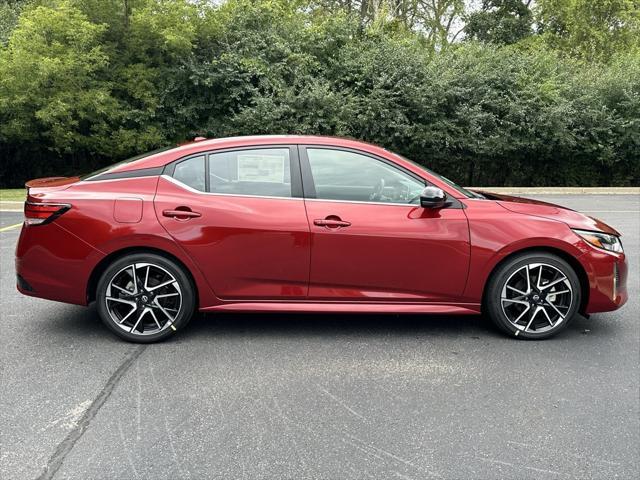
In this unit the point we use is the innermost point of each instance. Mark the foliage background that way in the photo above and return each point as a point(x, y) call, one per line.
point(496, 92)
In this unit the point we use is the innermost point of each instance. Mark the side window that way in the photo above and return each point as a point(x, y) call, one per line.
point(262, 171)
point(343, 175)
point(191, 172)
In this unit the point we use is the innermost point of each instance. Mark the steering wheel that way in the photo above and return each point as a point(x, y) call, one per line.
point(378, 188)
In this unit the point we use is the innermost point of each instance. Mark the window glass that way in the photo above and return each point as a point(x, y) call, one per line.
point(342, 175)
point(191, 172)
point(264, 172)
point(451, 183)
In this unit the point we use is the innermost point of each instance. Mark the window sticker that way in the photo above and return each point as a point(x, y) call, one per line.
point(254, 167)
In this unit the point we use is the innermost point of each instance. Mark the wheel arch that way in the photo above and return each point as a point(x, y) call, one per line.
point(104, 263)
point(570, 259)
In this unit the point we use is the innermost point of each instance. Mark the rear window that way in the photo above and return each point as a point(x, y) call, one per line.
point(88, 176)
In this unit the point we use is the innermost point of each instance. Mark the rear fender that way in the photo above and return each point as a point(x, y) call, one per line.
point(159, 244)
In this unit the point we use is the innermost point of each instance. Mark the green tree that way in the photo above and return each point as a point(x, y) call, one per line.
point(9, 12)
point(590, 30)
point(502, 22)
point(437, 21)
point(51, 87)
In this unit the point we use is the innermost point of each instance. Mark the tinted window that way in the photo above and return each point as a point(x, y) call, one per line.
point(191, 172)
point(264, 171)
point(342, 175)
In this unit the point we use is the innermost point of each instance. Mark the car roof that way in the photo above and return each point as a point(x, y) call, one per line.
point(164, 157)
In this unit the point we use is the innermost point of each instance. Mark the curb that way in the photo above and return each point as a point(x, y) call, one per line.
point(11, 206)
point(562, 190)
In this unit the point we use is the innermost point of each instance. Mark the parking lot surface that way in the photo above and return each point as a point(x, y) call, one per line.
point(321, 396)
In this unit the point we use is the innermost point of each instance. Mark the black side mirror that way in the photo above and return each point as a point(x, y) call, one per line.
point(433, 197)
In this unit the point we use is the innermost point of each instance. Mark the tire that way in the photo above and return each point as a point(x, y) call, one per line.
point(161, 302)
point(539, 307)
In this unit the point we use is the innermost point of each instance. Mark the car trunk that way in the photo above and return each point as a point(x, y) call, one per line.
point(38, 187)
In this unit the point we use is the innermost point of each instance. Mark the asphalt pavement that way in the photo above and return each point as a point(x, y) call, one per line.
point(321, 396)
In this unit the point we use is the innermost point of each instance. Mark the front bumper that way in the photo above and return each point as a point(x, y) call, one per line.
point(607, 276)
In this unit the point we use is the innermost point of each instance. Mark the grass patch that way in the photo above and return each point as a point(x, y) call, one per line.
point(13, 194)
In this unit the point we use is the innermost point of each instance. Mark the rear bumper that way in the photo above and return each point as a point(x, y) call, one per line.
point(53, 263)
point(607, 275)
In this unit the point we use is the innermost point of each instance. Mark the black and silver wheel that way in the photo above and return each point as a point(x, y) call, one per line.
point(145, 297)
point(534, 295)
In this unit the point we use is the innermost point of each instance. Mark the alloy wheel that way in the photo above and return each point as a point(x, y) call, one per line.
point(143, 299)
point(536, 298)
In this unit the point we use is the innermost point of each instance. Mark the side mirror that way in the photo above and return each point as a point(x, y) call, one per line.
point(433, 197)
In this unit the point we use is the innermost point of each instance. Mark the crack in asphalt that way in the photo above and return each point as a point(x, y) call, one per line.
point(64, 448)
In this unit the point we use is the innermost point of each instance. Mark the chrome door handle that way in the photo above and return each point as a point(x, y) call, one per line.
point(331, 223)
point(181, 214)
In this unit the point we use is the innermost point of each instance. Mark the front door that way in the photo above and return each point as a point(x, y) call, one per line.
point(240, 215)
point(371, 241)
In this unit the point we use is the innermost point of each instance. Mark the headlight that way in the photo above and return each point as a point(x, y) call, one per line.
point(601, 240)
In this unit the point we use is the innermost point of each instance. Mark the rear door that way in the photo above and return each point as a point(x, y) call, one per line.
point(371, 240)
point(240, 215)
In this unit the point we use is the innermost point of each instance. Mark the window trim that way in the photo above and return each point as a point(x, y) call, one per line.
point(140, 172)
point(294, 166)
point(106, 174)
point(215, 194)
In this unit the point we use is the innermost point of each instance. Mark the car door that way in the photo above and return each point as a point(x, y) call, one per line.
point(371, 240)
point(240, 215)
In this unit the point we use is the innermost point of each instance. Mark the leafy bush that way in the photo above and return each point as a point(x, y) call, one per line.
point(85, 82)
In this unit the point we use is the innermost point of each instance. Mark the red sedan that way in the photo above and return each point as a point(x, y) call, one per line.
point(307, 224)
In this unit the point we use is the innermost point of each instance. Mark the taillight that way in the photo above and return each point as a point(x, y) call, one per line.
point(41, 213)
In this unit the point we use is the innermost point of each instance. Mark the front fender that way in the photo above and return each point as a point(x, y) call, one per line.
point(496, 238)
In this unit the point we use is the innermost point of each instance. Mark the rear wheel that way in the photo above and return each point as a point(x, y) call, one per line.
point(533, 295)
point(145, 297)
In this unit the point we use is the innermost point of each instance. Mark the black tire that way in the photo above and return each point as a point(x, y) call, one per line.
point(182, 294)
point(516, 269)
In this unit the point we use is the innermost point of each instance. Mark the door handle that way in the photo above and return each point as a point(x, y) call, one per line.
point(331, 223)
point(181, 214)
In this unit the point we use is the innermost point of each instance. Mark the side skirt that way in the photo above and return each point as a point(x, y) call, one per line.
point(346, 307)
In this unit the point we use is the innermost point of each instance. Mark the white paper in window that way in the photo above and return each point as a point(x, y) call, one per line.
point(254, 167)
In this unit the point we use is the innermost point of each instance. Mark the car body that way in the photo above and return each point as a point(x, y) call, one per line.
point(294, 223)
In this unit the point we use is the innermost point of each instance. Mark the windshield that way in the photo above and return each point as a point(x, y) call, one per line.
point(122, 162)
point(462, 190)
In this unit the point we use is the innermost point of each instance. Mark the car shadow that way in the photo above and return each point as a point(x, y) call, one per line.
point(79, 322)
point(72, 322)
point(361, 325)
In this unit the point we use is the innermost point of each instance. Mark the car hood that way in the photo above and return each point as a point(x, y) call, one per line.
point(537, 208)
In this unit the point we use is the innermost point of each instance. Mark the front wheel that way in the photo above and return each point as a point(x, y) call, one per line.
point(145, 298)
point(533, 295)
